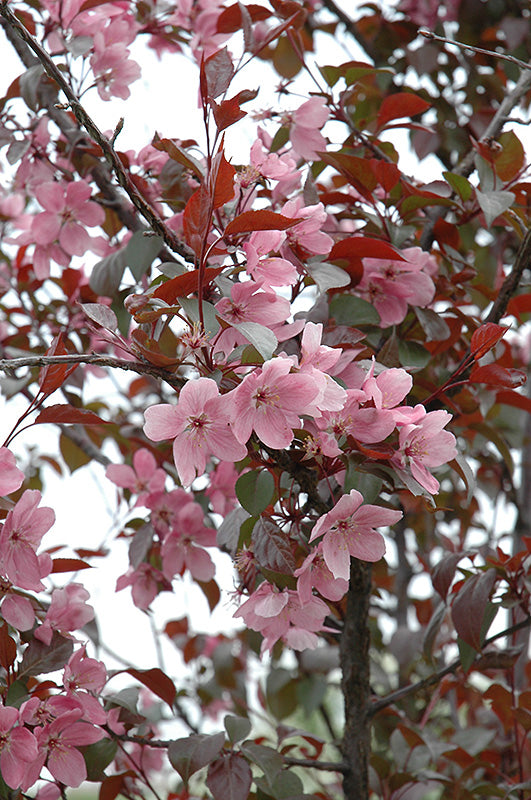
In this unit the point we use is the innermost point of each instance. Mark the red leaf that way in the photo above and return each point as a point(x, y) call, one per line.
point(69, 565)
point(227, 113)
point(468, 608)
point(157, 681)
point(223, 177)
point(444, 571)
point(261, 220)
point(379, 452)
point(230, 19)
point(229, 777)
point(401, 104)
point(197, 216)
point(510, 398)
point(485, 337)
point(364, 247)
point(54, 375)
point(8, 648)
point(519, 305)
point(178, 154)
point(494, 375)
point(65, 414)
point(218, 72)
point(185, 284)
point(112, 785)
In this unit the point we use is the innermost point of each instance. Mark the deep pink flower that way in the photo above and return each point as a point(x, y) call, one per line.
point(11, 477)
point(68, 212)
point(307, 236)
point(270, 401)
point(20, 535)
point(18, 612)
point(146, 583)
point(181, 548)
point(58, 743)
point(349, 531)
point(68, 611)
point(281, 615)
point(307, 121)
point(314, 574)
point(18, 747)
point(221, 488)
point(143, 477)
point(393, 285)
point(199, 425)
point(424, 445)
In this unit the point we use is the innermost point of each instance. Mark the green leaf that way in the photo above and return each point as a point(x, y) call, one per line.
point(190, 306)
point(269, 761)
point(237, 727)
point(281, 693)
point(349, 310)
point(460, 185)
point(255, 490)
point(98, 756)
point(327, 276)
point(493, 204)
point(106, 275)
point(140, 252)
point(413, 355)
point(263, 339)
point(369, 485)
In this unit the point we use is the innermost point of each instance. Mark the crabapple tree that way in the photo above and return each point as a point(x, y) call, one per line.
point(289, 337)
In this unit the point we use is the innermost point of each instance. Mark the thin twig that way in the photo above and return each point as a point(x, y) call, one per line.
point(97, 136)
point(511, 282)
point(8, 364)
point(500, 56)
point(436, 677)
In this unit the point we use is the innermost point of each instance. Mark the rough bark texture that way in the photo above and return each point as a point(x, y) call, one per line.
point(355, 642)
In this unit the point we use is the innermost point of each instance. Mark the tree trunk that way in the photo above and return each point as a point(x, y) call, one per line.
point(355, 683)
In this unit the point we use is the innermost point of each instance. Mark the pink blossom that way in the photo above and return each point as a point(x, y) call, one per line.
point(11, 477)
point(18, 747)
point(68, 611)
point(181, 547)
point(165, 507)
point(424, 445)
point(389, 388)
point(82, 678)
point(281, 615)
point(307, 237)
point(271, 165)
point(268, 270)
point(307, 121)
point(199, 425)
point(58, 743)
point(249, 302)
point(314, 574)
point(18, 612)
point(393, 285)
point(221, 488)
point(146, 582)
point(270, 401)
point(20, 535)
point(68, 212)
point(349, 532)
point(143, 477)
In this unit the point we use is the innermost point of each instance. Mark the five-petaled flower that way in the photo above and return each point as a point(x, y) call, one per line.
point(200, 426)
point(349, 531)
